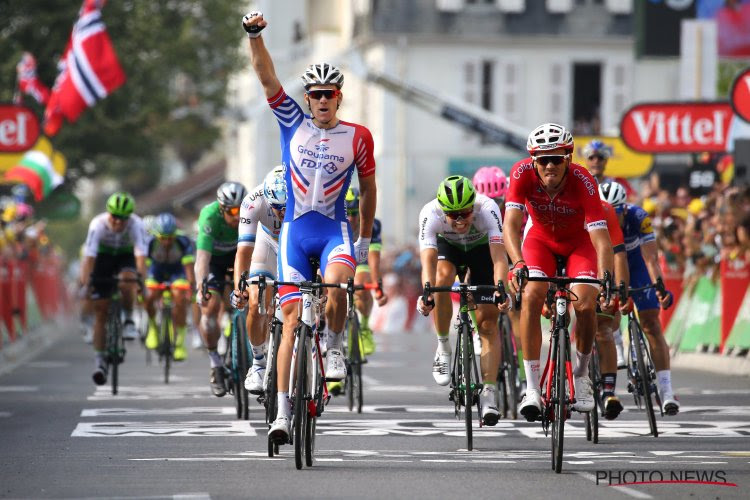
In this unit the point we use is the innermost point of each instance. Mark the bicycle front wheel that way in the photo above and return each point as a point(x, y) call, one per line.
point(354, 387)
point(560, 403)
point(592, 417)
point(115, 345)
point(643, 377)
point(166, 342)
point(511, 369)
point(300, 399)
point(466, 347)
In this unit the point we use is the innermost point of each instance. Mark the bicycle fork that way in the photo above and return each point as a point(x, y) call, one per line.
point(559, 334)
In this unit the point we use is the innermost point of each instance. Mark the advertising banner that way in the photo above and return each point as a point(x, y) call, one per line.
point(19, 128)
point(702, 324)
point(735, 278)
point(739, 96)
point(739, 336)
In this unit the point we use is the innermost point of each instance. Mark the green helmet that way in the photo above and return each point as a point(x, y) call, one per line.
point(120, 204)
point(456, 193)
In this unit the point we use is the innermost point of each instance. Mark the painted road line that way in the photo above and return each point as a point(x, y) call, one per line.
point(4, 414)
point(151, 392)
point(231, 428)
point(47, 364)
point(622, 489)
point(178, 496)
point(19, 388)
point(146, 412)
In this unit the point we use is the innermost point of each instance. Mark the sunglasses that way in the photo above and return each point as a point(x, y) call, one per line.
point(463, 214)
point(554, 159)
point(165, 237)
point(120, 217)
point(231, 210)
point(278, 207)
point(596, 157)
point(327, 93)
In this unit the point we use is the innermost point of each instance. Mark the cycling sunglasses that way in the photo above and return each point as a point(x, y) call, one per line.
point(596, 157)
point(231, 210)
point(328, 93)
point(120, 217)
point(547, 159)
point(463, 214)
point(278, 207)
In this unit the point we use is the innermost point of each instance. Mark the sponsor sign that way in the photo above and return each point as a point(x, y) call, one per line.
point(674, 127)
point(19, 128)
point(623, 161)
point(739, 96)
point(735, 275)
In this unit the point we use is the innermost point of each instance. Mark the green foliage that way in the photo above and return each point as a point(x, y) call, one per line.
point(728, 71)
point(177, 55)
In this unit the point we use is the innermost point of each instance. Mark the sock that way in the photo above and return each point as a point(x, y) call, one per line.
point(609, 380)
point(490, 384)
point(532, 374)
point(259, 354)
point(284, 408)
point(443, 344)
point(215, 359)
point(582, 364)
point(521, 365)
point(618, 338)
point(335, 340)
point(664, 381)
point(99, 356)
point(152, 324)
point(181, 332)
point(364, 322)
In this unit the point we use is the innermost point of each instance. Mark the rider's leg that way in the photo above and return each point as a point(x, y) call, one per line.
point(534, 295)
point(152, 336)
point(585, 308)
point(487, 315)
point(129, 291)
point(181, 296)
point(290, 311)
point(608, 363)
point(209, 327)
point(659, 352)
point(364, 302)
point(515, 324)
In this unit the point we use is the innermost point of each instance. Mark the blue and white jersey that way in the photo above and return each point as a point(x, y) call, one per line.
point(636, 230)
point(319, 162)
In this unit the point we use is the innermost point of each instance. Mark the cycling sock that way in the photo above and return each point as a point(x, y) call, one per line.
point(582, 364)
point(364, 322)
point(259, 354)
point(284, 408)
point(181, 332)
point(99, 356)
point(664, 381)
point(521, 365)
point(335, 339)
point(492, 384)
point(152, 323)
point(617, 334)
point(532, 374)
point(609, 380)
point(215, 359)
point(443, 344)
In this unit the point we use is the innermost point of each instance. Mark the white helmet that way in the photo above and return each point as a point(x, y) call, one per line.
point(274, 186)
point(613, 193)
point(230, 194)
point(322, 74)
point(549, 136)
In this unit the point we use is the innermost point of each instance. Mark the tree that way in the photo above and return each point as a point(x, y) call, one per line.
point(177, 55)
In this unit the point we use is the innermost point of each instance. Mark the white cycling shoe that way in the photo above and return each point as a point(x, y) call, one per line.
point(280, 429)
point(531, 406)
point(584, 394)
point(487, 398)
point(254, 379)
point(335, 367)
point(129, 332)
point(670, 405)
point(440, 371)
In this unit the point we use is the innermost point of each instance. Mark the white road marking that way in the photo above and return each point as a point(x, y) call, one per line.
point(622, 489)
point(151, 392)
point(48, 364)
point(178, 496)
point(4, 414)
point(141, 412)
point(232, 428)
point(19, 388)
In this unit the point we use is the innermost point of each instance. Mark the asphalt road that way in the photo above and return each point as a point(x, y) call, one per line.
point(62, 437)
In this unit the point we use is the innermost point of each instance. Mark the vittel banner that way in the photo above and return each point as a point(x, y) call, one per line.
point(19, 128)
point(672, 127)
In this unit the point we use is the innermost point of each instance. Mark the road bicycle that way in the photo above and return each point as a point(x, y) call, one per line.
point(556, 383)
point(353, 347)
point(465, 384)
point(592, 417)
point(165, 349)
point(641, 371)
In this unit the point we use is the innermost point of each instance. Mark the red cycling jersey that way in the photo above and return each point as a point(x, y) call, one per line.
point(559, 224)
point(613, 226)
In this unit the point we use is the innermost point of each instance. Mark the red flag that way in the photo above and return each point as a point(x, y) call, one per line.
point(89, 69)
point(28, 82)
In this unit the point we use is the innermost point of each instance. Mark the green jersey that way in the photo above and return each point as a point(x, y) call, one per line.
point(214, 234)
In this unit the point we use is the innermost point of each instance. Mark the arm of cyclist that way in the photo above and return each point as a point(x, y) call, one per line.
point(87, 267)
point(367, 200)
point(259, 56)
point(651, 257)
point(242, 261)
point(512, 236)
point(202, 259)
point(622, 275)
point(500, 270)
point(604, 256)
point(428, 257)
point(374, 261)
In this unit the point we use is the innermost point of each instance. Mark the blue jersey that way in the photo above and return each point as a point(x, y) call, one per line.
point(319, 162)
point(637, 230)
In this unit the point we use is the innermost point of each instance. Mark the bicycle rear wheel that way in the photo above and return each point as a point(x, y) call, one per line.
point(271, 390)
point(312, 419)
point(644, 377)
point(300, 399)
point(241, 366)
point(559, 398)
point(466, 345)
point(511, 369)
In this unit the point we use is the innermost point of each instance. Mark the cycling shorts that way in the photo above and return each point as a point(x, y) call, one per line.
point(312, 235)
point(477, 260)
point(646, 299)
point(166, 273)
point(220, 270)
point(265, 256)
point(108, 266)
point(539, 253)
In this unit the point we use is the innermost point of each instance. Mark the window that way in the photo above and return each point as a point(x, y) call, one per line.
point(487, 83)
point(587, 98)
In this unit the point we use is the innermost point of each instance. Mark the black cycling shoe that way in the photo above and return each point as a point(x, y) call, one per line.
point(100, 375)
point(218, 382)
point(612, 407)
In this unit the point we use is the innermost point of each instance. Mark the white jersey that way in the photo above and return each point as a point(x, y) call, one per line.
point(255, 209)
point(101, 239)
point(487, 226)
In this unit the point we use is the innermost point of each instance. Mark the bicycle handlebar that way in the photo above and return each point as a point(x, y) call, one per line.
point(659, 285)
point(463, 288)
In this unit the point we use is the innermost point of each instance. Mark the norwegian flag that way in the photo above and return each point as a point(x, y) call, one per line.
point(89, 69)
point(28, 82)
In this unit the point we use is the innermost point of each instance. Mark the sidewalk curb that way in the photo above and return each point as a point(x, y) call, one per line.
point(31, 344)
point(714, 363)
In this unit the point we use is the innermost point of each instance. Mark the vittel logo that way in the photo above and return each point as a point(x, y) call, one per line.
point(19, 128)
point(586, 181)
point(551, 207)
